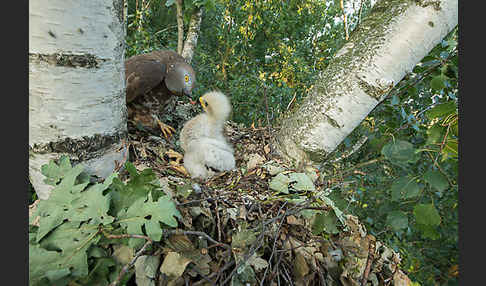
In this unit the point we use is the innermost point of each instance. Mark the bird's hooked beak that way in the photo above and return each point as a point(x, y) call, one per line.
point(188, 94)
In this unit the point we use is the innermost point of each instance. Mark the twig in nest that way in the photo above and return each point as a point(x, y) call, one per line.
point(266, 104)
point(134, 259)
point(205, 278)
point(291, 101)
point(370, 259)
point(218, 220)
point(274, 244)
point(119, 165)
point(226, 266)
point(199, 233)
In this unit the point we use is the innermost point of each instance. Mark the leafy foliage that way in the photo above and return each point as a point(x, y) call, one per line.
point(412, 191)
point(64, 244)
point(266, 55)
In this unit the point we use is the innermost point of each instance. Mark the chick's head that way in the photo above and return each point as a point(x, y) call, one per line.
point(216, 105)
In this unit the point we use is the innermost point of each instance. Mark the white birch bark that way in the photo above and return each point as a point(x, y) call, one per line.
point(192, 35)
point(76, 85)
point(389, 42)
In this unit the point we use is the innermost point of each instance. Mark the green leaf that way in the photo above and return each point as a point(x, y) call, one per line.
point(436, 180)
point(302, 182)
point(397, 220)
point(242, 239)
point(435, 134)
point(70, 243)
point(426, 214)
point(326, 222)
point(169, 3)
point(53, 172)
point(428, 231)
point(149, 214)
point(398, 151)
point(68, 203)
point(441, 110)
point(280, 183)
point(58, 207)
point(100, 273)
point(450, 150)
point(138, 187)
point(42, 261)
point(394, 100)
point(437, 83)
point(404, 188)
point(339, 214)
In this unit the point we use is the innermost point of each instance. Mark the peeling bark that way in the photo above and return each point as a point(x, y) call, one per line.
point(76, 85)
point(192, 35)
point(387, 44)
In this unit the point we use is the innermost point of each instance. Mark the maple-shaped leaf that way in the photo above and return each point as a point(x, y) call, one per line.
point(73, 241)
point(93, 205)
point(137, 187)
point(57, 208)
point(55, 172)
point(64, 248)
point(68, 202)
point(149, 214)
point(42, 261)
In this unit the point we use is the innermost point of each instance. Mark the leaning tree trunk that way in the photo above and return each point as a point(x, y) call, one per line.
point(387, 44)
point(76, 85)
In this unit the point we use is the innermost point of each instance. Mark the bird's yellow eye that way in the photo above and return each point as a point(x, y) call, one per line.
point(186, 78)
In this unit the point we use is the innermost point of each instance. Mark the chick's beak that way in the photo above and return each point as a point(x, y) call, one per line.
point(203, 104)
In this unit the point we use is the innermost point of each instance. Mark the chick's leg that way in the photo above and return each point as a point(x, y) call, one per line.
point(176, 163)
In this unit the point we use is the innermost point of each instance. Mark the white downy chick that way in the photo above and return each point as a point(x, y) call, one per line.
point(206, 150)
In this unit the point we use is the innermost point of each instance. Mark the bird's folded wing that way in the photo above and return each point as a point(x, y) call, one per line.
point(142, 74)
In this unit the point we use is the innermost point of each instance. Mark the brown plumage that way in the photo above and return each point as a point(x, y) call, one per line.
point(160, 74)
point(165, 70)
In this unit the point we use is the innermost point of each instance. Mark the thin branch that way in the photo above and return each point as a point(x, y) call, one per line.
point(362, 165)
point(218, 220)
point(266, 104)
point(353, 149)
point(198, 233)
point(274, 245)
point(227, 265)
point(134, 259)
point(344, 20)
point(292, 100)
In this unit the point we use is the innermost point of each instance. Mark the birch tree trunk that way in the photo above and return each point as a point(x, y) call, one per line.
point(76, 85)
point(180, 26)
point(192, 35)
point(387, 44)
